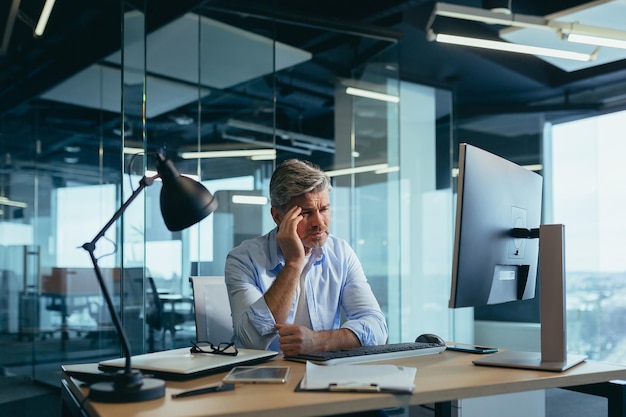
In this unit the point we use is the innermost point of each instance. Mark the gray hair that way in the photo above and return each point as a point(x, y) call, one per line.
point(293, 178)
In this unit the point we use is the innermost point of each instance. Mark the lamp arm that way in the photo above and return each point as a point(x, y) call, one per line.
point(143, 183)
point(90, 247)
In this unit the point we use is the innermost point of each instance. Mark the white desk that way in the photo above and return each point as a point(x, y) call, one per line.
point(440, 379)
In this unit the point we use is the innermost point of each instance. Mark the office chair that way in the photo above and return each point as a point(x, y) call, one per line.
point(212, 309)
point(154, 314)
point(159, 318)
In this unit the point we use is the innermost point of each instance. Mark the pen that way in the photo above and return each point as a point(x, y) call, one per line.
point(205, 390)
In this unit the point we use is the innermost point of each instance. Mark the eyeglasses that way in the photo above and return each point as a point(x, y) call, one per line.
point(223, 348)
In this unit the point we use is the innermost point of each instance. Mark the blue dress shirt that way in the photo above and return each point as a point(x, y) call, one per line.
point(335, 280)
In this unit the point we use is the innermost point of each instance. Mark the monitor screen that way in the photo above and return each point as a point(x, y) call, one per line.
point(494, 197)
point(499, 246)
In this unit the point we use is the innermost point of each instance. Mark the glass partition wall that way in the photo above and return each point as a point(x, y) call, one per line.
point(226, 97)
point(60, 182)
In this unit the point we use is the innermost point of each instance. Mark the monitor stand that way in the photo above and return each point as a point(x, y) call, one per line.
point(553, 355)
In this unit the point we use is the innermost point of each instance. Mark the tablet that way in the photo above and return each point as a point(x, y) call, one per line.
point(258, 374)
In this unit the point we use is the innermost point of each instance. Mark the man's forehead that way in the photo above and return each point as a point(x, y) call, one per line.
point(310, 199)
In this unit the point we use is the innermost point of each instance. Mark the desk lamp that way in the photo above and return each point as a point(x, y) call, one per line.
point(184, 202)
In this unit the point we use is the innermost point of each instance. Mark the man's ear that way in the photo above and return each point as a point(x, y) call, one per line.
point(276, 215)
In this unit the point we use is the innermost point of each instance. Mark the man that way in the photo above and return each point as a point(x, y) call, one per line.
point(288, 288)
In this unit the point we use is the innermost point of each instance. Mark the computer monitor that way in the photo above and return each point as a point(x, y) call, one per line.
point(500, 245)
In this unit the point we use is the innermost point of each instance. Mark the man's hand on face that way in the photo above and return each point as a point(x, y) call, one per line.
point(287, 236)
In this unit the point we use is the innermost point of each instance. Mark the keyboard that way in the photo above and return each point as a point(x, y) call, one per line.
point(370, 353)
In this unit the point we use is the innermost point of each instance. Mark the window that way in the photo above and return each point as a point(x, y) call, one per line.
point(587, 193)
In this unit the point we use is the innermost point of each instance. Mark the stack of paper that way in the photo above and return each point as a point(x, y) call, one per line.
point(381, 378)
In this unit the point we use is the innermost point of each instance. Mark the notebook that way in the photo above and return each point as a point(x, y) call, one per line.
point(178, 364)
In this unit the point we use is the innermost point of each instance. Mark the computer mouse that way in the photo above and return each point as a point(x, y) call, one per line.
point(430, 338)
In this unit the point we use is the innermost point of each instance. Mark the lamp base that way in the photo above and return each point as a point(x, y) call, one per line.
point(127, 388)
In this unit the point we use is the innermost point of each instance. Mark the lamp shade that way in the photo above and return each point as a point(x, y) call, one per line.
point(184, 202)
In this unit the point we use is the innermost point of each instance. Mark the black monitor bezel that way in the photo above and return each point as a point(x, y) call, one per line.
point(491, 191)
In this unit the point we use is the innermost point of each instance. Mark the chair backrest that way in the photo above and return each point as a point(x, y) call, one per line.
point(212, 309)
point(154, 308)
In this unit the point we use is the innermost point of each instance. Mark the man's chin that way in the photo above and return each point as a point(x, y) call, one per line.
point(317, 242)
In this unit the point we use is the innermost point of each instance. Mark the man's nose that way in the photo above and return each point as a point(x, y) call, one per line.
point(316, 218)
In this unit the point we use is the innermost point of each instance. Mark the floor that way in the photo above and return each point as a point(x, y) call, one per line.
point(21, 397)
point(561, 402)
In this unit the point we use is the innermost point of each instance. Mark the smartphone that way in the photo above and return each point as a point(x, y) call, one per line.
point(471, 349)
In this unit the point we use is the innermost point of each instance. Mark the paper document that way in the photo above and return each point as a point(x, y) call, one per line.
point(383, 378)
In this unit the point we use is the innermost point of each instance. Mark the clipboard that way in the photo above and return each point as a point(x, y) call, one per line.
point(358, 378)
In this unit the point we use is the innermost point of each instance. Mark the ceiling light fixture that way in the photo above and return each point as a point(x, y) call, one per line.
point(129, 150)
point(276, 146)
point(8, 28)
point(569, 31)
point(4, 201)
point(511, 47)
point(357, 170)
point(486, 16)
point(590, 35)
point(596, 40)
point(388, 170)
point(43, 19)
point(238, 153)
point(372, 94)
point(263, 157)
point(313, 146)
point(151, 174)
point(249, 199)
point(280, 133)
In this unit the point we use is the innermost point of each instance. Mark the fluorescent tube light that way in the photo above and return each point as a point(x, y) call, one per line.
point(356, 170)
point(372, 94)
point(132, 151)
point(43, 19)
point(512, 47)
point(283, 134)
point(7, 202)
point(263, 143)
point(596, 40)
point(249, 199)
point(489, 17)
point(149, 173)
point(313, 146)
point(268, 157)
point(229, 154)
point(387, 170)
point(8, 28)
point(572, 31)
